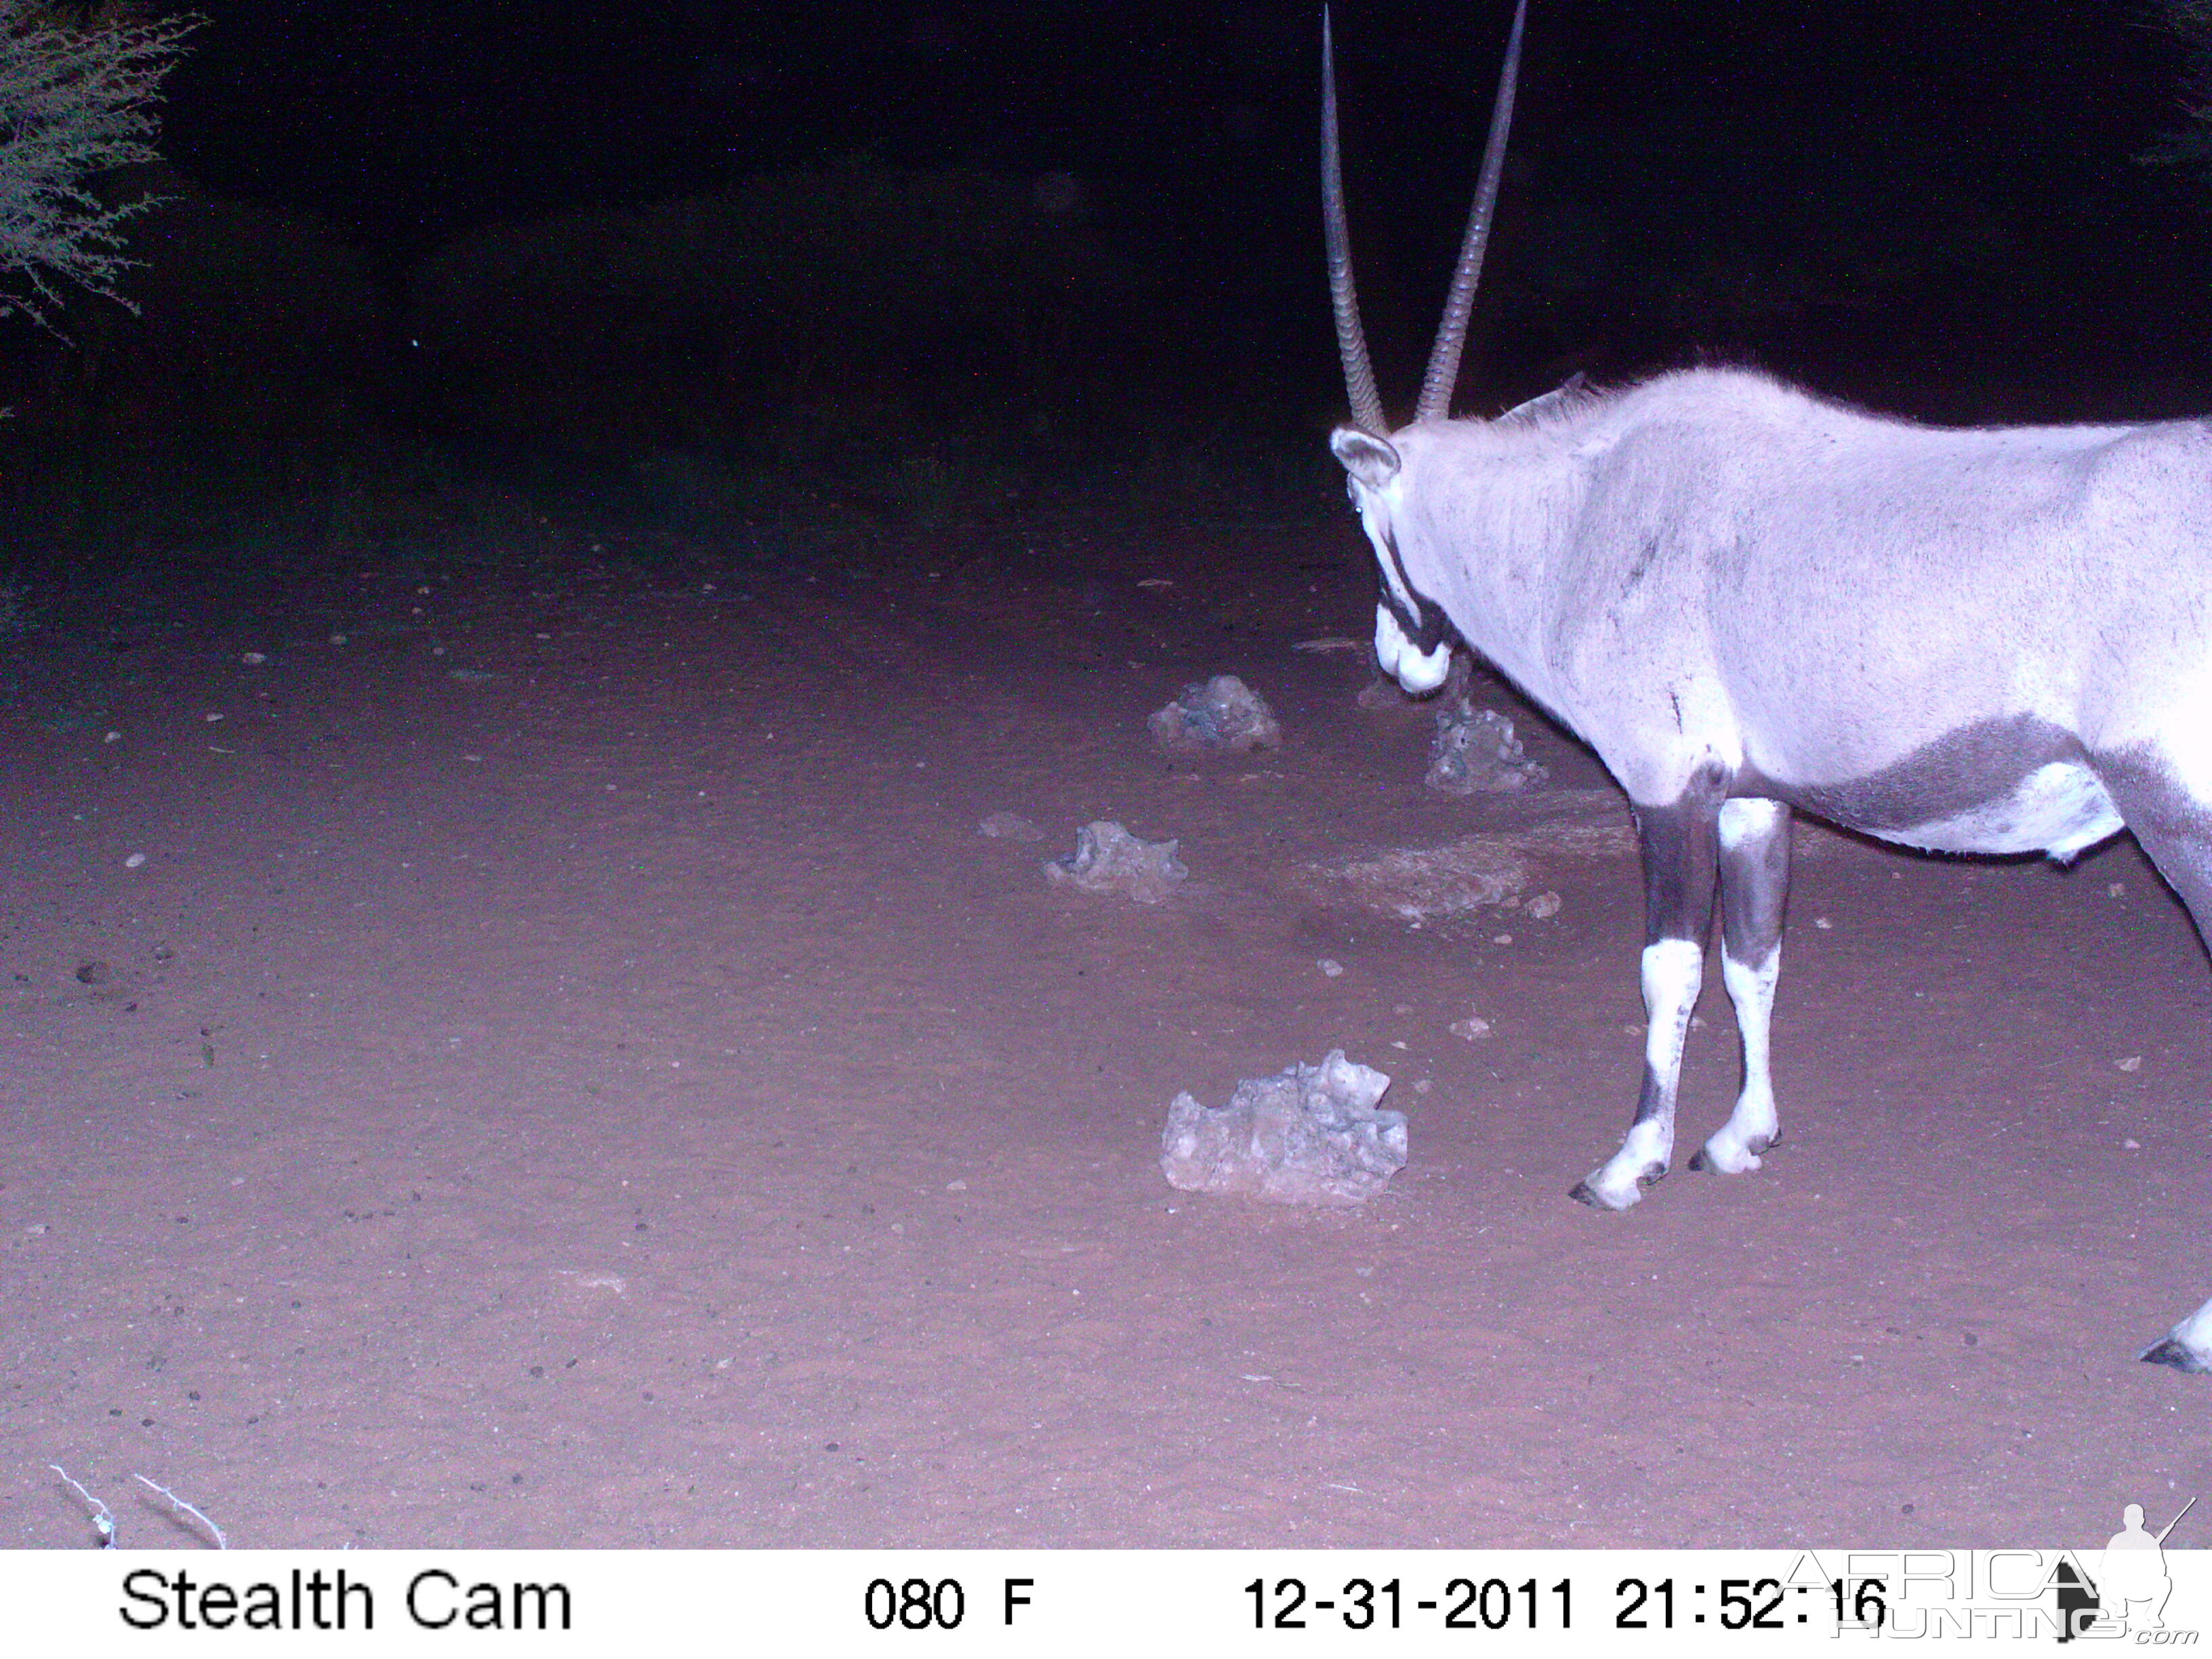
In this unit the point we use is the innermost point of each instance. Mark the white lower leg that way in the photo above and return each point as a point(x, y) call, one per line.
point(1674, 968)
point(1735, 1149)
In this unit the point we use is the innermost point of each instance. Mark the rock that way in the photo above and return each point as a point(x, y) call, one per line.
point(1224, 716)
point(1419, 885)
point(1110, 860)
point(1312, 1135)
point(1476, 752)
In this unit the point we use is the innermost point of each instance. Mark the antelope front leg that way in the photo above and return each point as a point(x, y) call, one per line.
point(1679, 852)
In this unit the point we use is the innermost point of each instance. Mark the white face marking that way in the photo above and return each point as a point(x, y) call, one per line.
point(1390, 640)
point(1363, 499)
point(1418, 671)
point(2058, 808)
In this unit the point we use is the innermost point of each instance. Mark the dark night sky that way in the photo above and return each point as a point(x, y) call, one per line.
point(1999, 134)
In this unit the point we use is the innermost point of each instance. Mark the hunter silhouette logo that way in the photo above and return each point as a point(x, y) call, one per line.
point(2132, 1584)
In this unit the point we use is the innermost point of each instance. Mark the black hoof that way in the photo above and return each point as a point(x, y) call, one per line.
point(1698, 1161)
point(2167, 1352)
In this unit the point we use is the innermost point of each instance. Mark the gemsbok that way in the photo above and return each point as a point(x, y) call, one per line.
point(1751, 602)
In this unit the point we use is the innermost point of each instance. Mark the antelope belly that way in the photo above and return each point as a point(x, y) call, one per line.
point(2059, 809)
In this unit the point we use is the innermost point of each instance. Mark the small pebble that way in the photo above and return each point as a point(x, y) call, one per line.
point(1330, 967)
point(1544, 906)
point(134, 860)
point(1502, 938)
point(2116, 889)
point(2132, 1063)
point(2132, 1145)
point(338, 639)
point(253, 658)
point(1822, 923)
point(1473, 1028)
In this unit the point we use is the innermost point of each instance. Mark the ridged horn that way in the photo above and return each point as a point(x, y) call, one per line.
point(1436, 386)
point(1343, 299)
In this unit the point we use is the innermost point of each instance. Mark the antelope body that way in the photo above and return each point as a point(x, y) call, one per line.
point(1749, 601)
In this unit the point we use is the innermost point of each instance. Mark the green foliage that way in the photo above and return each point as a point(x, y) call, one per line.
point(77, 96)
point(2190, 149)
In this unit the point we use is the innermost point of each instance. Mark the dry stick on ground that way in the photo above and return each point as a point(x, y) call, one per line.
point(193, 1509)
point(103, 1520)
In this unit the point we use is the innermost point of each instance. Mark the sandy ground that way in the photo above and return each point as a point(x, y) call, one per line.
point(569, 1070)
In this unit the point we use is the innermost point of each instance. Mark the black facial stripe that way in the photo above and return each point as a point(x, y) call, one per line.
point(1425, 625)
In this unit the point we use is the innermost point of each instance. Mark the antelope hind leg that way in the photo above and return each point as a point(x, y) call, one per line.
point(2173, 825)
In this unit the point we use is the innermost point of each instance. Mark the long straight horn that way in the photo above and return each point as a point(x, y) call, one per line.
point(1351, 338)
point(1451, 335)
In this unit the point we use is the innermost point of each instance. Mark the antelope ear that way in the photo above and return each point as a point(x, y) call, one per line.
point(1367, 457)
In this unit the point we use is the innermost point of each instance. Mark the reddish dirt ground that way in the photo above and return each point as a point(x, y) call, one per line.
point(616, 1097)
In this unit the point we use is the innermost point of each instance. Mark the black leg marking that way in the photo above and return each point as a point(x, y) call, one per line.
point(1681, 850)
point(1680, 846)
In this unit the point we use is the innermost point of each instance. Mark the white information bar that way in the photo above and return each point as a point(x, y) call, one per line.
point(63, 1605)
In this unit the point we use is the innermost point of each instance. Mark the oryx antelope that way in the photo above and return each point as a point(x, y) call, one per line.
point(1749, 602)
